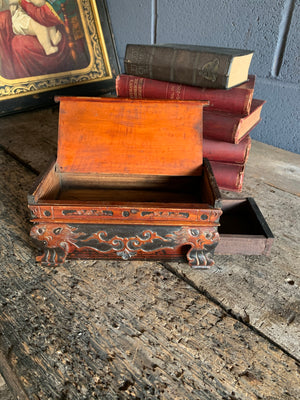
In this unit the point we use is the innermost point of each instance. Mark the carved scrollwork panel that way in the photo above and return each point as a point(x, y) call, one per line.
point(124, 241)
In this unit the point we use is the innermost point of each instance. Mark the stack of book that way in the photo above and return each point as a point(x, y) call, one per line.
point(200, 73)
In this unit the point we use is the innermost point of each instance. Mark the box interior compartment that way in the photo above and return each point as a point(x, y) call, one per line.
point(243, 229)
point(69, 187)
point(242, 217)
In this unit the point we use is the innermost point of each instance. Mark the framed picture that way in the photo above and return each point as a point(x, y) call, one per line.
point(54, 47)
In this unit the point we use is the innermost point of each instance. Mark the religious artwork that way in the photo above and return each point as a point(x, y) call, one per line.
point(48, 47)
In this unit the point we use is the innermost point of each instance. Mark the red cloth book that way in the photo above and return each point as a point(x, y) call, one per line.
point(237, 100)
point(228, 176)
point(216, 150)
point(230, 127)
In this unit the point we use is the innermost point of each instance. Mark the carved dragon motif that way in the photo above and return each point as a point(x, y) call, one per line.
point(61, 240)
point(58, 241)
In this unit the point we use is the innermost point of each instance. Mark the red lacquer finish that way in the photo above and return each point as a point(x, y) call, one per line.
point(129, 182)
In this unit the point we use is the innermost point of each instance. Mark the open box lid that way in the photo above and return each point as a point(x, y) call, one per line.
point(124, 136)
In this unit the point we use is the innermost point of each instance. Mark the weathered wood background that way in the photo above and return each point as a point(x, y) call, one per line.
point(147, 330)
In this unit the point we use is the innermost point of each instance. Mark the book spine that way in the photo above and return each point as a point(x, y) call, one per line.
point(228, 176)
point(194, 68)
point(219, 126)
point(230, 127)
point(236, 100)
point(216, 150)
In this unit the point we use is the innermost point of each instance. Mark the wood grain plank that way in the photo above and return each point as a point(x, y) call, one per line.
point(5, 393)
point(120, 330)
point(275, 167)
point(31, 137)
point(263, 290)
point(17, 390)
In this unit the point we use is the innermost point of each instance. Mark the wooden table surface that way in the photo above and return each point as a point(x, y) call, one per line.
point(147, 330)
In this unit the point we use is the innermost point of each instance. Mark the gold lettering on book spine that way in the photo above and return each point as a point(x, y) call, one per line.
point(135, 88)
point(140, 88)
point(135, 85)
point(130, 89)
point(175, 92)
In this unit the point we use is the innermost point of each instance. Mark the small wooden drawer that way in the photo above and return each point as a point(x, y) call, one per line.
point(243, 229)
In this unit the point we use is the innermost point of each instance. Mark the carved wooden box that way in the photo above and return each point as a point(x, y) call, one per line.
point(129, 182)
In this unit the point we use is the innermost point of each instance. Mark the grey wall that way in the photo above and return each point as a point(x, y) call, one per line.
point(269, 27)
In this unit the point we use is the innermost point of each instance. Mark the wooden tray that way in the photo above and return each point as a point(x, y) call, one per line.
point(243, 229)
point(129, 182)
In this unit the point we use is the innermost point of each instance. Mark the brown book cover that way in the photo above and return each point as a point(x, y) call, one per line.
point(231, 127)
point(236, 100)
point(203, 66)
point(216, 150)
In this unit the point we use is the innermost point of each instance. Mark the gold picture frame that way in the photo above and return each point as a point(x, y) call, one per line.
point(82, 61)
